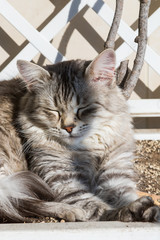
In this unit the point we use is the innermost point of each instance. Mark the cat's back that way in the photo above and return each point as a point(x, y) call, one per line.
point(10, 93)
point(11, 156)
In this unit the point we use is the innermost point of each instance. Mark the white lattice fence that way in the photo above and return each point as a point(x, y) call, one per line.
point(40, 42)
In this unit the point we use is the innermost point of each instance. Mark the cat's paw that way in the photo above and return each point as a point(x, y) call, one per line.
point(72, 214)
point(143, 209)
point(95, 210)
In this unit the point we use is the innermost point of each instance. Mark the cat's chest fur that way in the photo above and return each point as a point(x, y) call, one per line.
point(81, 160)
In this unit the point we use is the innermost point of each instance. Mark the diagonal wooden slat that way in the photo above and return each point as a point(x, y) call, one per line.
point(28, 31)
point(49, 31)
point(128, 35)
point(124, 50)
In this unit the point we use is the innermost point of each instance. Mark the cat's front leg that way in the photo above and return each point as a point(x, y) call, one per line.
point(143, 210)
point(115, 181)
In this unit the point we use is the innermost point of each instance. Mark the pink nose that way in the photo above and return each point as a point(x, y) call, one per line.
point(69, 128)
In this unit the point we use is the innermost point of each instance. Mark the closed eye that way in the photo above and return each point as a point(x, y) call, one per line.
point(86, 111)
point(55, 112)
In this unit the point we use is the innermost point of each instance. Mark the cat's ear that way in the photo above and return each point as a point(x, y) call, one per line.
point(33, 75)
point(102, 68)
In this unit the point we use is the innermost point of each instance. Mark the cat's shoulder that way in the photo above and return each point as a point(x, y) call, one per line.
point(12, 86)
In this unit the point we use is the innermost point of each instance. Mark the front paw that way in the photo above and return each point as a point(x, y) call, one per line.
point(72, 214)
point(143, 209)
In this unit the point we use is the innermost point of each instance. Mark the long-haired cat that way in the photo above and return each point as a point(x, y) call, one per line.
point(66, 145)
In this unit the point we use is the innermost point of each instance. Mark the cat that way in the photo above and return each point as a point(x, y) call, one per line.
point(66, 145)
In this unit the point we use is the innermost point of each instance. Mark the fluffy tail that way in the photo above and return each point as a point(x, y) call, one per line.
point(24, 194)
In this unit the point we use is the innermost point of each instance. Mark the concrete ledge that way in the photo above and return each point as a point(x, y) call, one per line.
point(81, 231)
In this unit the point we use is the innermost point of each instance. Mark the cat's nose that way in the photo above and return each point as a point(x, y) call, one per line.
point(69, 128)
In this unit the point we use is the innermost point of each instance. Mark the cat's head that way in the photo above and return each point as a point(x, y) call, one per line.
point(72, 97)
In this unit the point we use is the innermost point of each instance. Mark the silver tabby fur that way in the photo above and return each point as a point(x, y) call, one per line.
point(67, 144)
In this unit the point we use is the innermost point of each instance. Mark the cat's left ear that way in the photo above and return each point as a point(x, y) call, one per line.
point(102, 68)
point(33, 75)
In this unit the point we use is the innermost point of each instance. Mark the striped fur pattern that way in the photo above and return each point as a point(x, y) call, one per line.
point(67, 145)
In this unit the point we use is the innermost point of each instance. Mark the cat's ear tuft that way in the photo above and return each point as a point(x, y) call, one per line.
point(32, 74)
point(102, 68)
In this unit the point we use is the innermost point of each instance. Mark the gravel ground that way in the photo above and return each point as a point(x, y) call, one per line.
point(147, 163)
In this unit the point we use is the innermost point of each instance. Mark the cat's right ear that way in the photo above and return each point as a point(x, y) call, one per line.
point(102, 69)
point(33, 75)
